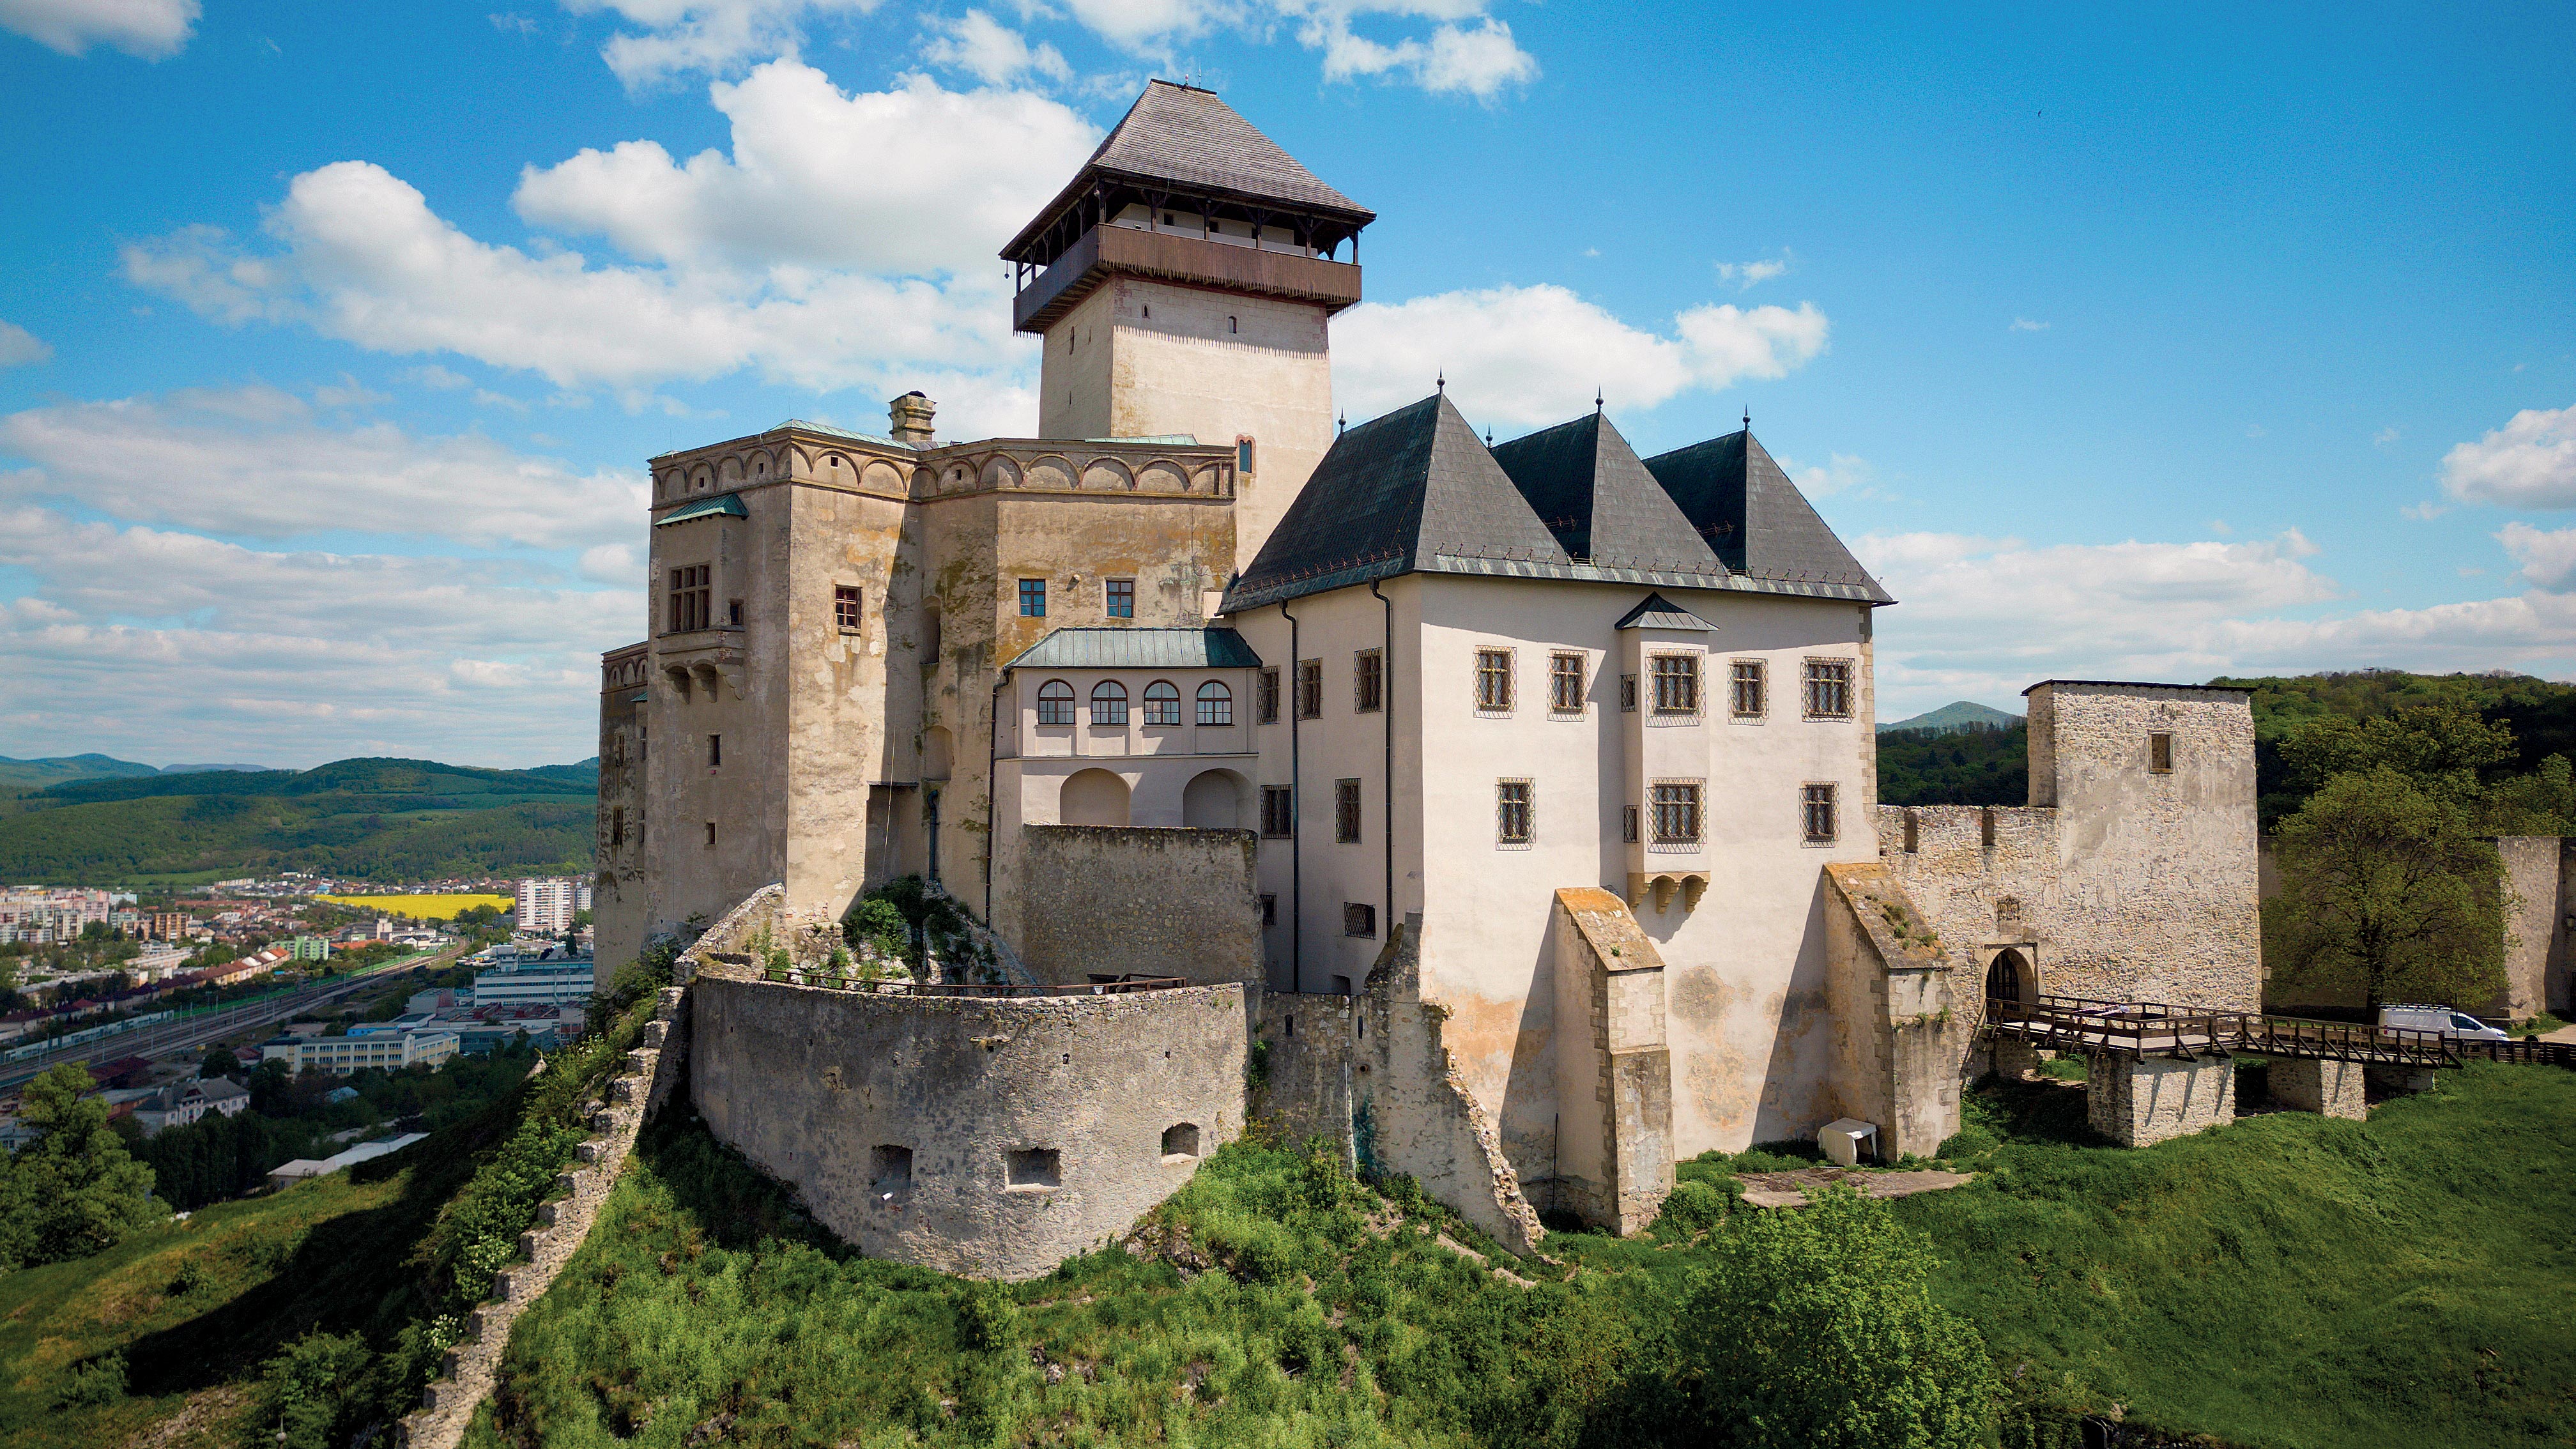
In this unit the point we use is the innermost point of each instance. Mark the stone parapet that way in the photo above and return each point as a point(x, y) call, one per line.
point(2138, 1102)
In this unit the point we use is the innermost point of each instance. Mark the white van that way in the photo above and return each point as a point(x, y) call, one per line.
point(2441, 1019)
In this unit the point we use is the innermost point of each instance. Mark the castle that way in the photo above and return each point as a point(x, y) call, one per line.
point(1504, 813)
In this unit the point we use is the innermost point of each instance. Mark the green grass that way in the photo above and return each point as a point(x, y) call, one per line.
point(2283, 1281)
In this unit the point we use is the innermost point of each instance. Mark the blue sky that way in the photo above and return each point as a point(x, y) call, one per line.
point(2152, 344)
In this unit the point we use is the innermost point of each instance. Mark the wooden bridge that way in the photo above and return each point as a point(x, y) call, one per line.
point(2140, 1029)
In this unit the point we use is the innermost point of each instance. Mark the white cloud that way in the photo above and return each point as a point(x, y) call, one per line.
point(18, 346)
point(2548, 557)
point(1481, 60)
point(684, 37)
point(1838, 472)
point(433, 375)
point(2024, 324)
point(126, 639)
point(1747, 275)
point(512, 23)
point(991, 51)
point(1529, 355)
point(253, 462)
point(151, 29)
point(1986, 615)
point(2530, 462)
point(2383, 437)
point(913, 179)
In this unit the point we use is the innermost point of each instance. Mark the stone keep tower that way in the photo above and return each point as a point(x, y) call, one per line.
point(1183, 281)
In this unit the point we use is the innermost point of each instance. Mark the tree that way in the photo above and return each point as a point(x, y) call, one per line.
point(219, 1062)
point(1817, 1328)
point(2387, 892)
point(2443, 747)
point(73, 1189)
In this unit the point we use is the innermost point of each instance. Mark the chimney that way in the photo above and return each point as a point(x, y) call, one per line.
point(911, 414)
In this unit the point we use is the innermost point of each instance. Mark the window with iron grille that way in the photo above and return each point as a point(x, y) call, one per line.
point(1270, 696)
point(1269, 912)
point(1676, 807)
point(1828, 689)
point(1512, 812)
point(1368, 680)
point(1747, 699)
point(1628, 823)
point(1346, 812)
point(1493, 680)
point(1278, 810)
point(1358, 919)
point(1627, 694)
point(1162, 703)
point(845, 607)
point(1216, 704)
point(1122, 598)
point(2160, 753)
point(1310, 688)
point(1565, 683)
point(1676, 684)
point(1032, 598)
point(1109, 703)
point(1819, 814)
point(692, 598)
point(1055, 703)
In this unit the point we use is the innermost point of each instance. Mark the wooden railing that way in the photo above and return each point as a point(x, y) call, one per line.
point(915, 988)
point(2538, 1053)
point(2157, 1029)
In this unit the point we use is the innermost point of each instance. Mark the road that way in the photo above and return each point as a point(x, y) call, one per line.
point(169, 1036)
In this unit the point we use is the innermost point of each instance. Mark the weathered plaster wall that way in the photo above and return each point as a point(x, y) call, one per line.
point(812, 1083)
point(1898, 1037)
point(1148, 902)
point(2535, 954)
point(2333, 1088)
point(1614, 1075)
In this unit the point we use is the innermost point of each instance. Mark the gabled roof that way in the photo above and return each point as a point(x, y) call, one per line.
point(1395, 494)
point(1657, 612)
point(1188, 139)
point(1123, 648)
point(1757, 520)
point(1589, 489)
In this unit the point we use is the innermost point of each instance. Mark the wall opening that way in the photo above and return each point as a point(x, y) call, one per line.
point(1214, 801)
point(889, 1170)
point(1180, 1141)
point(1094, 797)
point(1035, 1169)
point(2008, 976)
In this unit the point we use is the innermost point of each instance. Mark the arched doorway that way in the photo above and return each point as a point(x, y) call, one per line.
point(1214, 801)
point(2009, 977)
point(1093, 797)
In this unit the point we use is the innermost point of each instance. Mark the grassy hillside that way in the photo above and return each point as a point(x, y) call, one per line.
point(382, 818)
point(1971, 766)
point(2285, 1281)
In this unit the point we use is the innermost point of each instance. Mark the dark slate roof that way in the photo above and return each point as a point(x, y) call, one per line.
point(1186, 137)
point(1395, 494)
point(1123, 648)
point(1599, 501)
point(1657, 612)
point(1757, 520)
point(725, 505)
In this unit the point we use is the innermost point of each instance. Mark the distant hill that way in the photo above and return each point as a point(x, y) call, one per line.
point(195, 769)
point(37, 774)
point(1970, 764)
point(385, 818)
point(1959, 714)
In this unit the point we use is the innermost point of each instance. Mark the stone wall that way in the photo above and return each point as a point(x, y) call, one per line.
point(1144, 901)
point(1614, 1069)
point(2537, 886)
point(1310, 1048)
point(1898, 1035)
point(2138, 1103)
point(978, 1133)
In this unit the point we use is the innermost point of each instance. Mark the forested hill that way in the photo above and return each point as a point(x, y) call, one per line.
point(381, 818)
point(1989, 766)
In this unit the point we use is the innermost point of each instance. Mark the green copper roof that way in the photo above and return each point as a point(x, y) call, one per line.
point(1114, 648)
point(726, 506)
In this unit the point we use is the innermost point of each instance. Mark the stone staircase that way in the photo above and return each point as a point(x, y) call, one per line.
point(472, 1367)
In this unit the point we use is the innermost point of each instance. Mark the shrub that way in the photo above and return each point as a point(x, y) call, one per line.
point(95, 1384)
point(985, 1319)
point(1694, 1207)
point(1968, 1142)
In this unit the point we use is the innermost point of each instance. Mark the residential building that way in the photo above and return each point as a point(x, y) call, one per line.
point(545, 906)
point(181, 1103)
point(342, 1055)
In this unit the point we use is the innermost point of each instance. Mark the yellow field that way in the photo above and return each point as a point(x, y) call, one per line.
point(427, 908)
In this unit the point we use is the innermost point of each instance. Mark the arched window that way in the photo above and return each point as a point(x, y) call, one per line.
point(1216, 704)
point(1055, 703)
point(1162, 703)
point(1109, 703)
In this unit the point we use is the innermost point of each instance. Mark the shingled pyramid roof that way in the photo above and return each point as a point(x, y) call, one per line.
point(1183, 138)
point(1395, 494)
point(1600, 502)
point(1760, 524)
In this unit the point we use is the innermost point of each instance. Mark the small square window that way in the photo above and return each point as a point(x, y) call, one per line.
point(1346, 812)
point(1368, 680)
point(845, 608)
point(1278, 810)
point(1310, 688)
point(1032, 598)
point(711, 832)
point(1358, 919)
point(1270, 696)
point(2160, 753)
point(1819, 814)
point(1829, 689)
point(1676, 807)
point(1493, 681)
point(1512, 812)
point(1122, 598)
point(733, 612)
point(1035, 1169)
point(1747, 698)
point(715, 751)
point(1627, 694)
point(1565, 683)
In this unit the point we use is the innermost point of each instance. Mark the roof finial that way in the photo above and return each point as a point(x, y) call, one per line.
point(1748, 420)
point(1489, 435)
point(1596, 399)
point(1341, 422)
point(1440, 382)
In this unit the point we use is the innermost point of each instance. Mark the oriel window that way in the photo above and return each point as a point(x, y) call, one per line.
point(1676, 811)
point(692, 598)
point(1676, 684)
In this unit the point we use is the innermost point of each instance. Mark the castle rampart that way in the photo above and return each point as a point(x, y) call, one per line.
point(1112, 900)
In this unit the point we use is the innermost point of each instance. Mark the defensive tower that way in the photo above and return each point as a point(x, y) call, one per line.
point(1183, 281)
